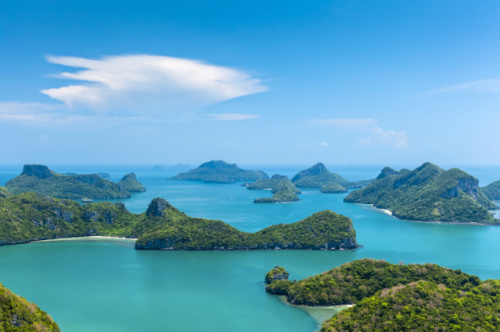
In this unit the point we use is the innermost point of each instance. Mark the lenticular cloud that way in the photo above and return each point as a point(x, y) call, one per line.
point(148, 79)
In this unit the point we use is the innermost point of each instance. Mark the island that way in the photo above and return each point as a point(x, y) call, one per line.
point(333, 188)
point(492, 191)
point(18, 314)
point(218, 171)
point(30, 217)
point(41, 180)
point(130, 183)
point(318, 176)
point(283, 189)
point(428, 193)
point(395, 297)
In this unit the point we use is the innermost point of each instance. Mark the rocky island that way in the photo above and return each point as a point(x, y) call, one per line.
point(17, 314)
point(395, 297)
point(333, 188)
point(41, 180)
point(283, 189)
point(218, 171)
point(492, 191)
point(318, 176)
point(130, 183)
point(29, 217)
point(428, 193)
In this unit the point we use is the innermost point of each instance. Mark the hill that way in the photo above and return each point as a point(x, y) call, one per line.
point(17, 314)
point(130, 183)
point(284, 191)
point(492, 191)
point(428, 193)
point(41, 180)
point(218, 171)
point(318, 175)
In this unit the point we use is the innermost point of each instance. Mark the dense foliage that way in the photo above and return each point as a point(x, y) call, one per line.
point(351, 282)
point(17, 314)
point(41, 180)
point(428, 193)
point(4, 192)
point(492, 191)
point(423, 306)
point(218, 171)
point(333, 188)
point(318, 175)
point(130, 183)
point(278, 273)
point(28, 217)
point(275, 183)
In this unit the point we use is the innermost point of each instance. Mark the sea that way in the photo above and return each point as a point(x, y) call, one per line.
point(99, 284)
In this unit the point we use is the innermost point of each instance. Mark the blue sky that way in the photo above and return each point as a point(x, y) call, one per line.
point(252, 82)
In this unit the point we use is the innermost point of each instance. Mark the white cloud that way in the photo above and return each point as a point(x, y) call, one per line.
point(325, 144)
point(481, 86)
point(232, 116)
point(145, 80)
point(35, 113)
point(345, 123)
point(378, 136)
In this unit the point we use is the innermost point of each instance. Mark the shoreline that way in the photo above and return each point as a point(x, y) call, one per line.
point(93, 237)
point(385, 211)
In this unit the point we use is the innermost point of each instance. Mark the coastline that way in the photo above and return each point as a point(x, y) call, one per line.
point(94, 237)
point(385, 211)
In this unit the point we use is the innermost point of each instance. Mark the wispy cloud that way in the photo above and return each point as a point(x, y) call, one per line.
point(36, 113)
point(345, 123)
point(232, 116)
point(378, 136)
point(144, 80)
point(478, 86)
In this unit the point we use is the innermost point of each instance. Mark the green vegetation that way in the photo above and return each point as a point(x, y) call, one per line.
point(390, 297)
point(333, 188)
point(423, 306)
point(218, 171)
point(4, 192)
point(352, 282)
point(492, 191)
point(318, 175)
point(428, 193)
point(130, 183)
point(29, 217)
point(41, 180)
point(284, 191)
point(17, 314)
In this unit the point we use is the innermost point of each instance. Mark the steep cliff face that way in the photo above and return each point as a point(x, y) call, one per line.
point(40, 171)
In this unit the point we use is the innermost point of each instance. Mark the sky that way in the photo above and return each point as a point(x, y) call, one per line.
point(251, 82)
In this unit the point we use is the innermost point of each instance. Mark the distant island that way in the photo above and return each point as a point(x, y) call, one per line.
point(492, 191)
point(319, 176)
point(428, 193)
point(395, 297)
point(41, 180)
point(333, 188)
point(18, 314)
point(218, 171)
point(283, 189)
point(130, 183)
point(30, 217)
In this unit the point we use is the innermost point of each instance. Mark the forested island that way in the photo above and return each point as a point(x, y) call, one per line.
point(29, 217)
point(41, 180)
point(492, 191)
point(395, 297)
point(218, 171)
point(18, 314)
point(319, 176)
point(428, 193)
point(283, 189)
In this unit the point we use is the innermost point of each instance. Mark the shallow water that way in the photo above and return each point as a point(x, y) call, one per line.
point(105, 285)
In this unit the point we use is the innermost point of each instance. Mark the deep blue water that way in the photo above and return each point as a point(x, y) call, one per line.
point(108, 286)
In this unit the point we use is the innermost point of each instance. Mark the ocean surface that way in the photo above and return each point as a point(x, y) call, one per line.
point(106, 285)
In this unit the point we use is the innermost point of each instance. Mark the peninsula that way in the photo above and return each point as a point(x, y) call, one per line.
point(30, 217)
point(218, 171)
point(428, 193)
point(394, 297)
point(41, 180)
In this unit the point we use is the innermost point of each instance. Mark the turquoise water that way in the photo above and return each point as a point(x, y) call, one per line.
point(106, 285)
